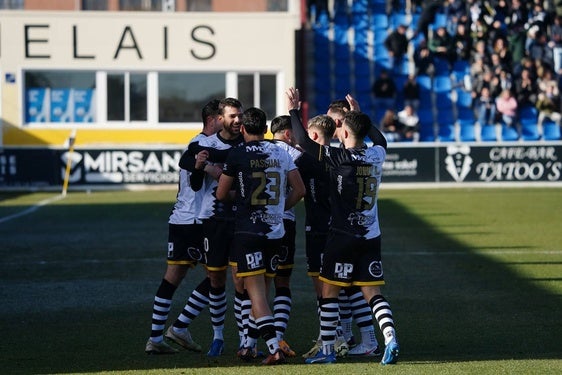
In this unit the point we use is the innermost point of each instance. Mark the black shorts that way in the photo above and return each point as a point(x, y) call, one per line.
point(315, 243)
point(185, 244)
point(287, 250)
point(255, 255)
point(217, 243)
point(350, 261)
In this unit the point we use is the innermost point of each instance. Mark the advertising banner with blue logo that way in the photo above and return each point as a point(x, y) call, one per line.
point(84, 105)
point(37, 105)
point(61, 105)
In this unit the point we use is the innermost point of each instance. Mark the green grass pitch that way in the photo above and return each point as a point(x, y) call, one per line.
point(474, 278)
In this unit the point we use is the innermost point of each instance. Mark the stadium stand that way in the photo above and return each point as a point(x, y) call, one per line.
point(350, 53)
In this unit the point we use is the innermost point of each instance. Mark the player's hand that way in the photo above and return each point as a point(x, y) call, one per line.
point(201, 159)
point(213, 170)
point(353, 104)
point(293, 98)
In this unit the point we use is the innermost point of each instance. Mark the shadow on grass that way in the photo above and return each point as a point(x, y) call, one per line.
point(77, 295)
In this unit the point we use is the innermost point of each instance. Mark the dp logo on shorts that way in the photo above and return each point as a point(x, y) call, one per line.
point(254, 260)
point(343, 270)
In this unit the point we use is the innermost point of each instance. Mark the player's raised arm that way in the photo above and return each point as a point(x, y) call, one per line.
point(301, 137)
point(377, 137)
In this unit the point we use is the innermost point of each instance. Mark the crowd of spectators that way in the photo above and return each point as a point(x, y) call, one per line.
point(513, 51)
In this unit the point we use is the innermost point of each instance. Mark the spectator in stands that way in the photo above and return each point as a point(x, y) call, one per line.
point(526, 89)
point(516, 19)
point(548, 105)
point(390, 126)
point(485, 107)
point(441, 44)
point(397, 45)
point(556, 43)
point(525, 63)
point(506, 106)
point(505, 80)
point(423, 59)
point(410, 123)
point(462, 42)
point(480, 52)
point(539, 49)
point(384, 90)
point(411, 92)
point(456, 11)
point(496, 64)
point(500, 48)
point(489, 80)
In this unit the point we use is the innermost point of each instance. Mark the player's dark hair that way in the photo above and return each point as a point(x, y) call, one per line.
point(229, 102)
point(339, 106)
point(281, 123)
point(210, 109)
point(358, 122)
point(254, 121)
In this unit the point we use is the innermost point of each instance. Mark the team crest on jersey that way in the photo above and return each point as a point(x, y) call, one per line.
point(375, 269)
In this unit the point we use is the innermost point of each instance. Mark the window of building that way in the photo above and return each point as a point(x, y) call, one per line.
point(11, 4)
point(258, 90)
point(182, 95)
point(237, 6)
point(94, 4)
point(149, 5)
point(199, 5)
point(57, 96)
point(150, 98)
point(127, 97)
point(277, 6)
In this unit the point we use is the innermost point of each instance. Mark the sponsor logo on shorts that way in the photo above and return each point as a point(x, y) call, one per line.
point(375, 269)
point(343, 270)
point(194, 253)
point(254, 260)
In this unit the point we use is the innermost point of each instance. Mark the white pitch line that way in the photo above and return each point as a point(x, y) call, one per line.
point(31, 209)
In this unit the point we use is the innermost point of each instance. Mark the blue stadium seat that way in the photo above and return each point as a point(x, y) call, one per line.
point(446, 133)
point(381, 52)
point(443, 101)
point(441, 66)
point(551, 130)
point(488, 133)
point(528, 114)
point(380, 22)
point(424, 83)
point(427, 133)
point(442, 83)
point(440, 21)
point(509, 133)
point(467, 131)
point(528, 117)
point(397, 19)
point(530, 131)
